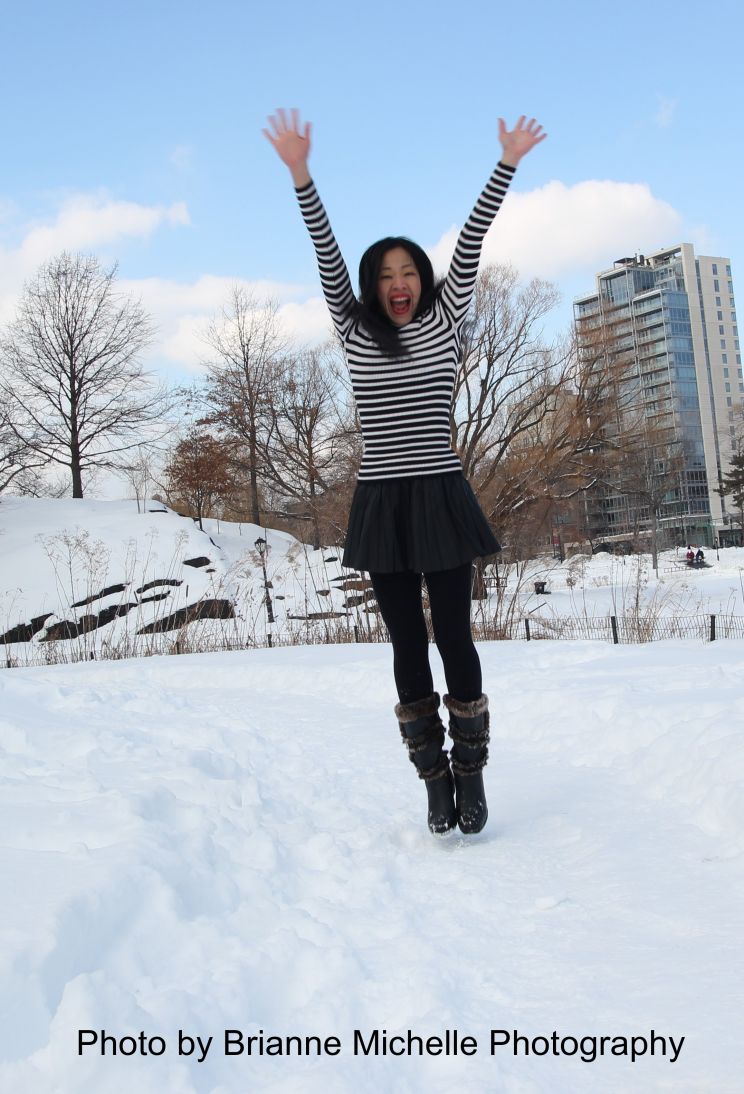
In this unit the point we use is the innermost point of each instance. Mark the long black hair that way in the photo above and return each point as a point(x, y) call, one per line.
point(371, 316)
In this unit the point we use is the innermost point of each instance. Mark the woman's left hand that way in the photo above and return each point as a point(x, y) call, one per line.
point(520, 140)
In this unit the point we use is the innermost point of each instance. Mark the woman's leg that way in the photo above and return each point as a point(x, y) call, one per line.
point(399, 598)
point(450, 596)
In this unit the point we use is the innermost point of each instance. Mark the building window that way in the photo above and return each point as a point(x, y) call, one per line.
point(725, 373)
point(724, 358)
point(729, 401)
point(727, 387)
point(720, 329)
point(719, 315)
point(718, 301)
point(723, 343)
point(728, 271)
point(716, 287)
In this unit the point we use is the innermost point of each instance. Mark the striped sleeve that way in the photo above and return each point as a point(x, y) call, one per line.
point(460, 283)
point(334, 276)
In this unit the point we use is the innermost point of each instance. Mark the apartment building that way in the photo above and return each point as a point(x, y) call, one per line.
point(672, 315)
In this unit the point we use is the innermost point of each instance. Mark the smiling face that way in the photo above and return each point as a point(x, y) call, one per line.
point(398, 286)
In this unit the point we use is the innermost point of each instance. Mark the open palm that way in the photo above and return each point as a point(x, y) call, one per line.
point(520, 140)
point(290, 139)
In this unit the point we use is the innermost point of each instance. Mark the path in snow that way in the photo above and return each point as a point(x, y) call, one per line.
point(238, 841)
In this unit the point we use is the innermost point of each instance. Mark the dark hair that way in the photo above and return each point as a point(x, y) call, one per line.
point(371, 316)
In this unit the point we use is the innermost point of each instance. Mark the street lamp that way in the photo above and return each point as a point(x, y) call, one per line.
point(262, 547)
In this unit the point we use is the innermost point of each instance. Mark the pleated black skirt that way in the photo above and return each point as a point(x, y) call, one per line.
point(420, 524)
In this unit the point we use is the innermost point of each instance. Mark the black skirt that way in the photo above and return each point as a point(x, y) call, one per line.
point(420, 524)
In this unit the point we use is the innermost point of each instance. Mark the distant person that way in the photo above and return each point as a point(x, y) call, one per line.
point(699, 557)
point(414, 514)
point(690, 555)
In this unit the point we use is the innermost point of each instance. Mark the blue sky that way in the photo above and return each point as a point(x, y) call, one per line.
point(133, 131)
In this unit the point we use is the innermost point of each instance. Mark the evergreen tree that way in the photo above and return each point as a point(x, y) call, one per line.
point(732, 485)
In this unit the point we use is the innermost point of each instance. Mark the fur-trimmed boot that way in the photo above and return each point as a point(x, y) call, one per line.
point(423, 735)
point(468, 729)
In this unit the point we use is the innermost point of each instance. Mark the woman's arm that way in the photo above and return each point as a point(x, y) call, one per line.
point(460, 282)
point(292, 144)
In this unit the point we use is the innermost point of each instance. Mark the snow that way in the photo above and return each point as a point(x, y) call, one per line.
point(236, 841)
point(57, 553)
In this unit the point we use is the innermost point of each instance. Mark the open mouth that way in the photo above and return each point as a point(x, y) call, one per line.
point(400, 305)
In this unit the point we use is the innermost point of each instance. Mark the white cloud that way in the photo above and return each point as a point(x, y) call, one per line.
point(84, 222)
point(665, 111)
point(182, 156)
point(560, 231)
point(88, 221)
point(182, 311)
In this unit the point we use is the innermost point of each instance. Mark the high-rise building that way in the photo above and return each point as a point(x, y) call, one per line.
point(672, 314)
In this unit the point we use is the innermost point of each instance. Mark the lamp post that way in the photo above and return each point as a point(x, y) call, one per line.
point(262, 547)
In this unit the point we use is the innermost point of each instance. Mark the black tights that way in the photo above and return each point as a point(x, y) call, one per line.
point(450, 594)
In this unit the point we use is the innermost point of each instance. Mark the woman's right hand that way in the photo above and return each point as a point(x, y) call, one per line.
point(291, 142)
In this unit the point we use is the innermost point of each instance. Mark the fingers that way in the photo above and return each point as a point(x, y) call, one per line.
point(281, 124)
point(524, 128)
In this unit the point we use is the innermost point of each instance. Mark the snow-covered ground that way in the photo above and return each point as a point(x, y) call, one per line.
point(67, 561)
point(237, 841)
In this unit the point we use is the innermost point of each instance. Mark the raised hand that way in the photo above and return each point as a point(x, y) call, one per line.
point(520, 140)
point(292, 143)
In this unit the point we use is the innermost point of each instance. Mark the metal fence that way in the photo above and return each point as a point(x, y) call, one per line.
point(621, 629)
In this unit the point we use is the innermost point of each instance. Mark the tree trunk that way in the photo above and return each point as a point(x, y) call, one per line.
point(654, 541)
point(314, 513)
point(479, 584)
point(253, 453)
point(77, 476)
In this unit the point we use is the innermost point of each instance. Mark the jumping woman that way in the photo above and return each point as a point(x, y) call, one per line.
point(414, 515)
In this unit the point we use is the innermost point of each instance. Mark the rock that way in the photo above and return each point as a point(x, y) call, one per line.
point(204, 609)
point(24, 632)
point(155, 584)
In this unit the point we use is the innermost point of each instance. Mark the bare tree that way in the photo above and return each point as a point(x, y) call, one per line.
point(139, 471)
point(76, 394)
point(311, 444)
point(648, 475)
point(530, 417)
point(18, 465)
point(242, 381)
point(507, 373)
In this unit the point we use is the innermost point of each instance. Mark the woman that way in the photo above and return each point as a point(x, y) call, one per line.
point(413, 512)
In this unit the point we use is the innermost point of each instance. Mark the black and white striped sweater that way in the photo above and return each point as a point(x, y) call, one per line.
point(404, 403)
